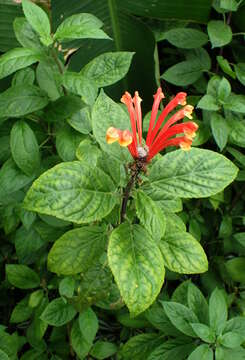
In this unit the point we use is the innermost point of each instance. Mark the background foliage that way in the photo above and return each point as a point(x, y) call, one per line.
point(58, 296)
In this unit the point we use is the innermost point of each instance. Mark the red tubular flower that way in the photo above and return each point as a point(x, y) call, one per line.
point(158, 138)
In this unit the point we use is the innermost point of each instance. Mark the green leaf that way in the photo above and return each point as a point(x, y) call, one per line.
point(28, 244)
point(231, 340)
point(21, 311)
point(107, 113)
point(183, 73)
point(20, 100)
point(136, 265)
point(180, 316)
point(80, 345)
point(39, 21)
point(150, 215)
point(235, 103)
point(204, 332)
point(219, 33)
point(186, 38)
point(87, 152)
point(58, 313)
point(225, 66)
point(140, 346)
point(16, 59)
point(67, 141)
point(88, 324)
point(229, 5)
point(202, 352)
point(12, 178)
point(80, 26)
point(3, 355)
point(240, 72)
point(67, 287)
point(237, 132)
point(229, 354)
point(47, 74)
point(22, 277)
point(35, 298)
point(103, 349)
point(236, 325)
point(74, 192)
point(24, 148)
point(217, 311)
point(197, 173)
point(25, 34)
point(9, 10)
point(220, 130)
point(172, 349)
point(197, 303)
point(224, 90)
point(24, 76)
point(81, 120)
point(182, 253)
point(236, 269)
point(237, 155)
point(208, 102)
point(62, 108)
point(108, 68)
point(77, 250)
point(81, 85)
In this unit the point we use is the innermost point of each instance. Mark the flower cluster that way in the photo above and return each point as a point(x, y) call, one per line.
point(158, 137)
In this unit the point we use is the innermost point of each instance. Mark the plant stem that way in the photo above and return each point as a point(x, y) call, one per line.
point(57, 61)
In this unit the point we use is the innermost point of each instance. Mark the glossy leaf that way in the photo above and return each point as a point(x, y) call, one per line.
point(182, 253)
point(58, 313)
point(20, 100)
point(197, 173)
point(78, 193)
point(80, 26)
point(24, 148)
point(22, 277)
point(76, 250)
point(150, 215)
point(16, 59)
point(108, 68)
point(136, 265)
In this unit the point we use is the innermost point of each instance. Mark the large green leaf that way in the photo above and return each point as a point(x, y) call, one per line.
point(80, 26)
point(24, 148)
point(72, 191)
point(176, 9)
point(20, 100)
point(128, 34)
point(77, 250)
point(58, 312)
point(182, 253)
point(137, 265)
point(9, 10)
point(193, 174)
point(16, 59)
point(107, 113)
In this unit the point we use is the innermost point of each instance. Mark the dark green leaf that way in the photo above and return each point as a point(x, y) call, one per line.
point(88, 324)
point(103, 349)
point(220, 130)
point(219, 32)
point(58, 313)
point(240, 72)
point(140, 346)
point(21, 276)
point(186, 38)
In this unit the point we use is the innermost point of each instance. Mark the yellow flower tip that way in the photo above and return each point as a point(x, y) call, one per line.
point(112, 135)
point(125, 138)
point(159, 94)
point(126, 98)
point(185, 145)
point(188, 109)
point(190, 134)
point(136, 98)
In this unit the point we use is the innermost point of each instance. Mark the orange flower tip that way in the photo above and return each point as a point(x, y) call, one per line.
point(181, 98)
point(186, 144)
point(112, 135)
point(126, 98)
point(188, 111)
point(125, 138)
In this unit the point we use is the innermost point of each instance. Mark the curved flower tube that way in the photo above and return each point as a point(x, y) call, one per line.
point(158, 137)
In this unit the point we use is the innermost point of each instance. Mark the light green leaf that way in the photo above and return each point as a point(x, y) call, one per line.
point(80, 345)
point(22, 99)
point(208, 102)
point(204, 332)
point(137, 265)
point(202, 352)
point(235, 103)
point(39, 21)
point(58, 313)
point(25, 34)
point(72, 191)
point(225, 66)
point(77, 250)
point(88, 324)
point(3, 355)
point(140, 346)
point(80, 26)
point(240, 72)
point(217, 311)
point(24, 148)
point(150, 215)
point(236, 325)
point(231, 340)
point(182, 253)
point(219, 32)
point(35, 298)
point(24, 76)
point(16, 59)
point(87, 152)
point(196, 173)
point(81, 85)
point(67, 287)
point(180, 316)
point(186, 38)
point(224, 90)
point(107, 113)
point(197, 303)
point(222, 353)
point(220, 130)
point(21, 276)
point(12, 178)
point(237, 132)
point(108, 68)
point(229, 5)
